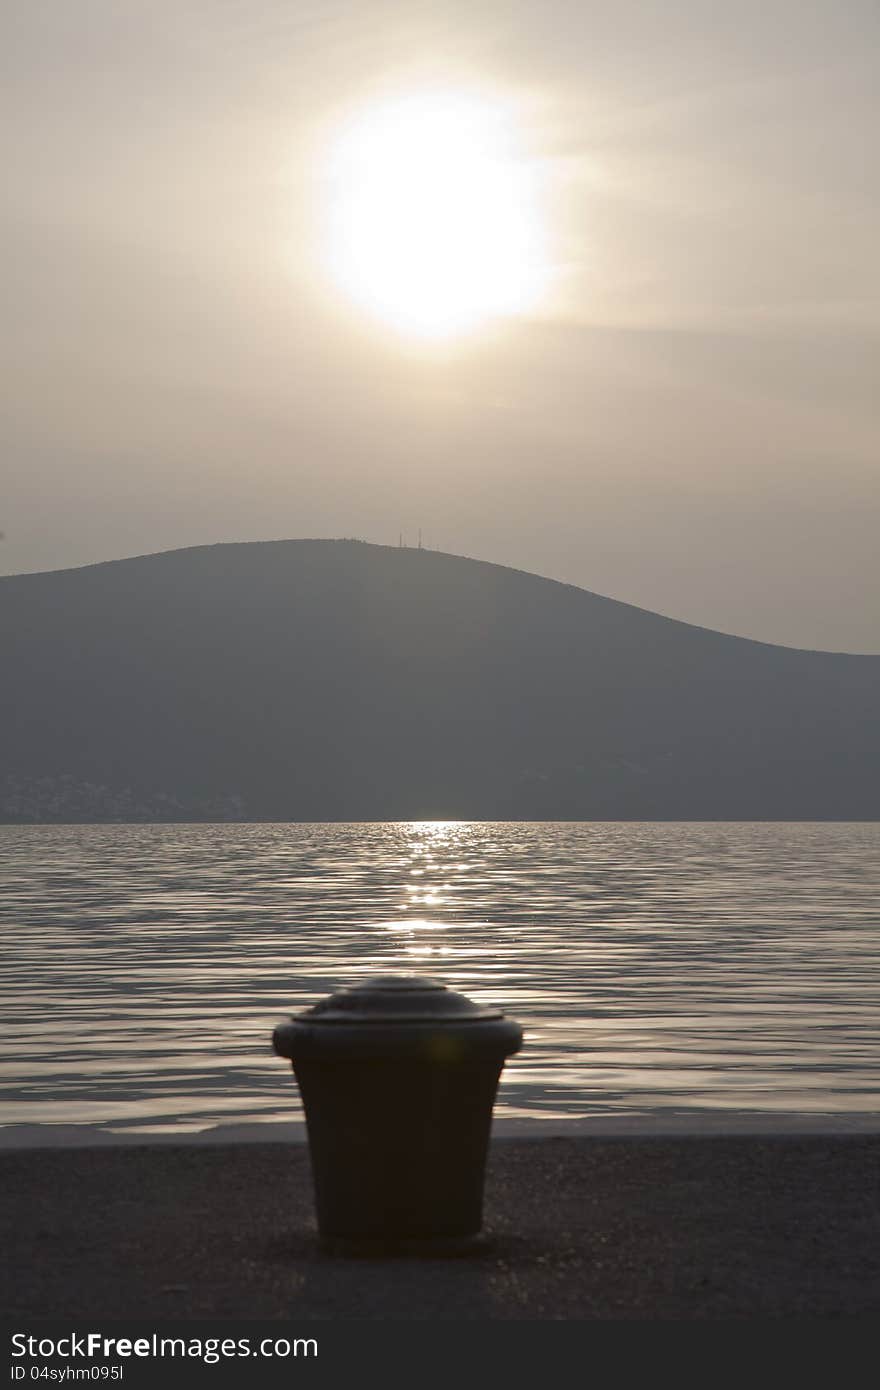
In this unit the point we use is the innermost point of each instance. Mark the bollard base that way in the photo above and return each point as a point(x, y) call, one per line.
point(416, 1248)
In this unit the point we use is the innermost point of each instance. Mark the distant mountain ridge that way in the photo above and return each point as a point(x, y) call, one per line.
point(337, 680)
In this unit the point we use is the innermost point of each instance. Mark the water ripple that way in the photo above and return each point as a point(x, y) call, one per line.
point(715, 966)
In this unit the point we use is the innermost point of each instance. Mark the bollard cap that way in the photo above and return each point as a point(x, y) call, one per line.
point(396, 999)
point(397, 1016)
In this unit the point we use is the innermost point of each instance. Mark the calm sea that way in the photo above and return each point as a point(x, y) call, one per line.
point(674, 969)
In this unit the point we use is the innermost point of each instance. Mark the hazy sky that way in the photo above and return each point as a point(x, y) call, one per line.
point(688, 420)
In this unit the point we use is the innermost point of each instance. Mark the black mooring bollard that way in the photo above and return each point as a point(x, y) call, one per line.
point(398, 1078)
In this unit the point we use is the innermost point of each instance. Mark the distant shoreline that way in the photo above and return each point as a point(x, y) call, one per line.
point(330, 682)
point(480, 820)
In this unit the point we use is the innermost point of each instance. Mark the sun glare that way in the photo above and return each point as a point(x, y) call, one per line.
point(434, 226)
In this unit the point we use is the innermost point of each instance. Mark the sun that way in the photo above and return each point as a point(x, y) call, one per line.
point(433, 222)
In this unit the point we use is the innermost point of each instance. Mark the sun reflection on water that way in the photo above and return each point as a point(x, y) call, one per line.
point(690, 967)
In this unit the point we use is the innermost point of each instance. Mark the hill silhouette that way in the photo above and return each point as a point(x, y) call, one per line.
point(335, 680)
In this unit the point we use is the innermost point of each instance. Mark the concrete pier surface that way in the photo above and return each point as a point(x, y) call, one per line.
point(577, 1227)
